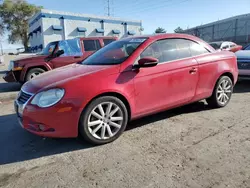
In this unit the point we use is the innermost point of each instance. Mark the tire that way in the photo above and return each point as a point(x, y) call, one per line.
point(32, 73)
point(218, 98)
point(97, 129)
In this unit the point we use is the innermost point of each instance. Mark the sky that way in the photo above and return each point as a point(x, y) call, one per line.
point(168, 14)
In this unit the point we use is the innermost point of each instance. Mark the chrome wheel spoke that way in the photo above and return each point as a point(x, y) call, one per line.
point(98, 116)
point(227, 91)
point(101, 109)
point(93, 123)
point(114, 111)
point(115, 125)
point(220, 97)
point(116, 118)
point(225, 84)
point(226, 97)
point(96, 129)
point(103, 132)
point(109, 131)
point(109, 108)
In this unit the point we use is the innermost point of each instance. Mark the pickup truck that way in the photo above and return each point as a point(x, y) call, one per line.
point(56, 54)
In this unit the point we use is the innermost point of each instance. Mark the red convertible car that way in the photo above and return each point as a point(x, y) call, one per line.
point(125, 80)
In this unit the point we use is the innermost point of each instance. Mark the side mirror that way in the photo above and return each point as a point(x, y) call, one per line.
point(59, 52)
point(148, 62)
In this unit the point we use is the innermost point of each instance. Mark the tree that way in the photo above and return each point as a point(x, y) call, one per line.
point(178, 30)
point(160, 30)
point(14, 16)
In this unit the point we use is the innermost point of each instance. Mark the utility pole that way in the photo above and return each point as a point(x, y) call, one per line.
point(108, 1)
point(108, 7)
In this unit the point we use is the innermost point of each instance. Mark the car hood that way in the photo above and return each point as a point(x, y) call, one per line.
point(64, 74)
point(30, 58)
point(243, 54)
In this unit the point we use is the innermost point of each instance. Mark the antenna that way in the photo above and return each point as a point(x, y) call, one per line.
point(108, 8)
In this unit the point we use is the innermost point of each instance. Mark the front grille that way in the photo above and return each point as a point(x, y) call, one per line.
point(243, 65)
point(23, 97)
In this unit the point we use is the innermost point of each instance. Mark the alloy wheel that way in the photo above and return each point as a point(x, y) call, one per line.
point(224, 92)
point(105, 120)
point(33, 75)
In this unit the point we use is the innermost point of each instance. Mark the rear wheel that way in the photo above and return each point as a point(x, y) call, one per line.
point(33, 73)
point(104, 120)
point(222, 92)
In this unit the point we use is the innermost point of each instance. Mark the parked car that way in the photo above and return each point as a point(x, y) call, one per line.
point(225, 45)
point(56, 54)
point(243, 60)
point(125, 80)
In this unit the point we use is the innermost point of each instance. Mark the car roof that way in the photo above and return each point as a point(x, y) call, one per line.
point(174, 35)
point(101, 37)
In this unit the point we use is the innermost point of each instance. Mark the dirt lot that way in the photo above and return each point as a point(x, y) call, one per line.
point(192, 146)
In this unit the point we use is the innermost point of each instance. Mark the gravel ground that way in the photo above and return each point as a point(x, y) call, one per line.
point(192, 146)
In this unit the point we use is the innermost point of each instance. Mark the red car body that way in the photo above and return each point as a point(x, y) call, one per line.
point(144, 91)
point(22, 66)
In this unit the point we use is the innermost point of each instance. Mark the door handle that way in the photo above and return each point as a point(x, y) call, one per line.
point(76, 57)
point(193, 70)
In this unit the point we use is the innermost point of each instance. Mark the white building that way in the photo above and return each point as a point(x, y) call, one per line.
point(47, 26)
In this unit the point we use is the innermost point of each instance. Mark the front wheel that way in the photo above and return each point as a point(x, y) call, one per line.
point(104, 120)
point(222, 93)
point(33, 73)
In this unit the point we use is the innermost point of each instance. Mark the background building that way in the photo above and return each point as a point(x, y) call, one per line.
point(236, 29)
point(47, 26)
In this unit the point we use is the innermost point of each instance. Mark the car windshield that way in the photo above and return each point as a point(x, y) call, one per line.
point(114, 53)
point(49, 48)
point(215, 45)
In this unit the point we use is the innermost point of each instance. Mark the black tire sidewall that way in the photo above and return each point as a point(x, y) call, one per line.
point(83, 124)
point(31, 71)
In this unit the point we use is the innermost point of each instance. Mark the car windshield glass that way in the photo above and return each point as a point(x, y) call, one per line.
point(70, 47)
point(49, 48)
point(114, 53)
point(216, 46)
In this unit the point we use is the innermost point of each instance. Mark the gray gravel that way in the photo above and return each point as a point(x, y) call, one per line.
point(192, 146)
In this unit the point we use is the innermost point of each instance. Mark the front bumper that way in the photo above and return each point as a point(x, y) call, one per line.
point(58, 121)
point(244, 72)
point(10, 77)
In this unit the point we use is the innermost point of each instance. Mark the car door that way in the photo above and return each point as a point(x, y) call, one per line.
point(72, 53)
point(172, 82)
point(90, 46)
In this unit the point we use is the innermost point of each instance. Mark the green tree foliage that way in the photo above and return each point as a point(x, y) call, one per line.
point(160, 30)
point(178, 30)
point(14, 16)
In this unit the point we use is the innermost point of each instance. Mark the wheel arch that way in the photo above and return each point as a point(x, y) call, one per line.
point(229, 74)
point(33, 67)
point(117, 95)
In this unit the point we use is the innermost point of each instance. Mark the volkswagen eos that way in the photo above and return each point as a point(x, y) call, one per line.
point(125, 80)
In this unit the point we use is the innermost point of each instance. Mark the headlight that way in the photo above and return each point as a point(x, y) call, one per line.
point(48, 98)
point(11, 65)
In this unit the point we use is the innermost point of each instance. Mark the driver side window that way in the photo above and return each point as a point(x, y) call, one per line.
point(163, 50)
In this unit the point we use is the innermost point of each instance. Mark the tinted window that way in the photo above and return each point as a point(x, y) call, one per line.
point(91, 45)
point(172, 49)
point(216, 45)
point(197, 49)
point(183, 47)
point(163, 50)
point(108, 41)
point(114, 53)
